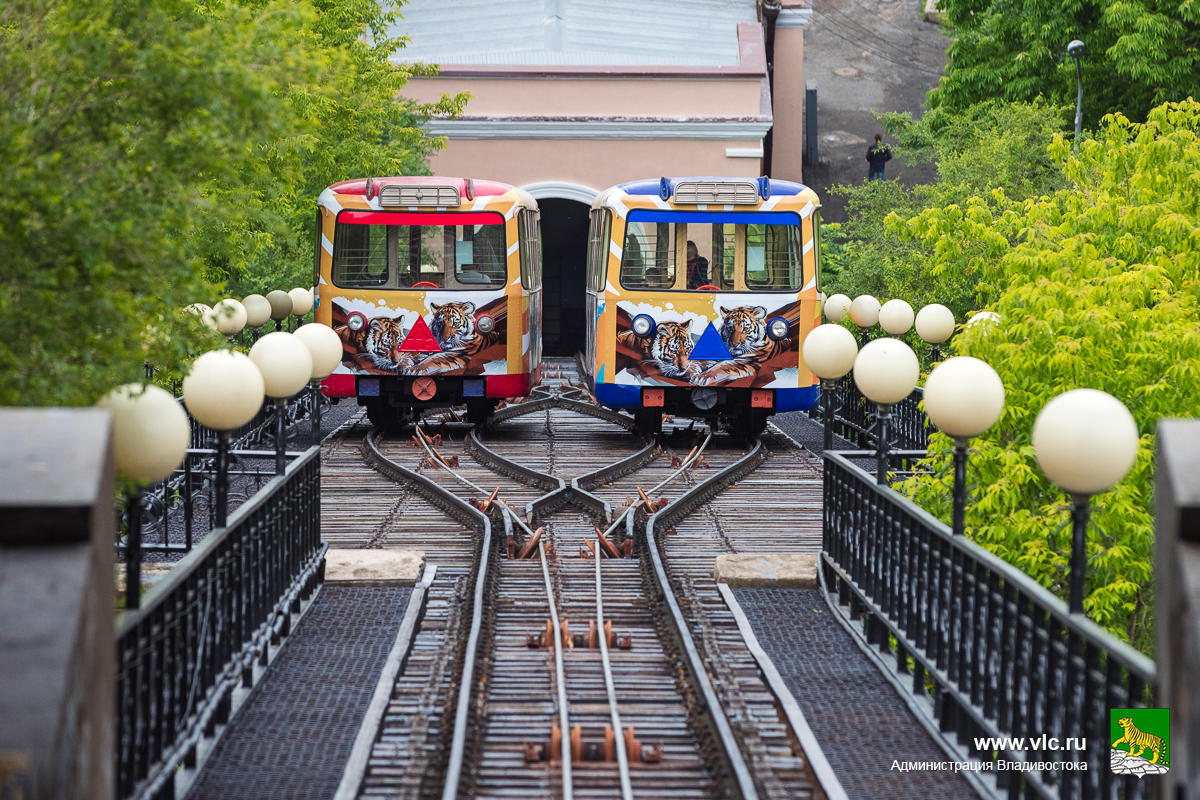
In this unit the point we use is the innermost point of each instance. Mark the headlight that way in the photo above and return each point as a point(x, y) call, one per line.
point(356, 321)
point(484, 323)
point(643, 325)
point(704, 398)
point(777, 328)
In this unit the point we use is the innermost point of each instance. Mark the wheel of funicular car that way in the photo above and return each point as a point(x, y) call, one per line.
point(383, 416)
point(480, 409)
point(749, 424)
point(649, 421)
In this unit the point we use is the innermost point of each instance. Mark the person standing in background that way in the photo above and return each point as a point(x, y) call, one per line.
point(878, 154)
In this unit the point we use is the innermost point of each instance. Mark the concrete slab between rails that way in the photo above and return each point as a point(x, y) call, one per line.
point(373, 567)
point(767, 571)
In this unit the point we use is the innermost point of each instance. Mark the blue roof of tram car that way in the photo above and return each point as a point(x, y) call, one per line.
point(653, 185)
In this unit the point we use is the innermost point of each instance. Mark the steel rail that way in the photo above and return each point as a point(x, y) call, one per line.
point(559, 667)
point(698, 672)
point(447, 500)
point(611, 690)
point(560, 674)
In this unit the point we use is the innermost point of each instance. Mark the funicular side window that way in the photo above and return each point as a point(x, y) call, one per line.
point(599, 233)
point(530, 249)
point(373, 249)
point(687, 250)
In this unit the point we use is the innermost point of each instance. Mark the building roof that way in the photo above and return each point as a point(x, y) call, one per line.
point(573, 32)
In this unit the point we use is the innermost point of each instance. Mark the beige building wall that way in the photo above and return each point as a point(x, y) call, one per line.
point(581, 97)
point(787, 156)
point(594, 163)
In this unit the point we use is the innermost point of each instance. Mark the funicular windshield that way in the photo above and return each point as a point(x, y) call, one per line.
point(390, 250)
point(683, 251)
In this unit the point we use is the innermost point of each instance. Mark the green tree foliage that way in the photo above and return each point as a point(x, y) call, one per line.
point(1098, 285)
point(1140, 53)
point(989, 147)
point(152, 150)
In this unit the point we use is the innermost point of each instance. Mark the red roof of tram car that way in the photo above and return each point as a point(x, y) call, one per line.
point(480, 188)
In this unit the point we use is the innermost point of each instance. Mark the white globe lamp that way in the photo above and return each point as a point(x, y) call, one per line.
point(325, 347)
point(287, 366)
point(829, 351)
point(836, 307)
point(223, 391)
point(896, 317)
point(985, 318)
point(886, 372)
point(230, 315)
point(864, 312)
point(963, 398)
point(258, 310)
point(1085, 441)
point(150, 435)
point(302, 301)
point(281, 306)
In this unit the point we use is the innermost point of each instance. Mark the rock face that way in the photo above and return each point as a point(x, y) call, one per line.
point(1124, 764)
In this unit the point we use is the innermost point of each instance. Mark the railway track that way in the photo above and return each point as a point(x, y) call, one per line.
point(511, 688)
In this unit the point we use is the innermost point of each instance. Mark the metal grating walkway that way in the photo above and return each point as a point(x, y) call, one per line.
point(292, 737)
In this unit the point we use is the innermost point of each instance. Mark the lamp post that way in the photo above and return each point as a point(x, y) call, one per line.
point(835, 307)
point(934, 325)
point(231, 316)
point(258, 311)
point(829, 352)
point(150, 440)
point(281, 306)
point(205, 313)
point(302, 303)
point(223, 391)
point(963, 398)
point(886, 371)
point(1075, 49)
point(286, 367)
point(864, 312)
point(1085, 441)
point(896, 317)
point(325, 347)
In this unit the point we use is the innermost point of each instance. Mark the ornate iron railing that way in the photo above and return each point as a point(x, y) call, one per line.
point(201, 629)
point(854, 417)
point(988, 650)
point(172, 505)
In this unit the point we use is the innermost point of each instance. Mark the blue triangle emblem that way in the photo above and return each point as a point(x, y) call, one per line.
point(710, 347)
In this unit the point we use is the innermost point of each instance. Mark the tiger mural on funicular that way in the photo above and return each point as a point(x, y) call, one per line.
point(666, 357)
point(463, 349)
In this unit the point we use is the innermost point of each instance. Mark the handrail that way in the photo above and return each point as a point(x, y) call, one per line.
point(200, 630)
point(1006, 657)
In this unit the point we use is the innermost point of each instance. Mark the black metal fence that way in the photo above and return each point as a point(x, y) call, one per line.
point(180, 509)
point(854, 418)
point(991, 651)
point(201, 629)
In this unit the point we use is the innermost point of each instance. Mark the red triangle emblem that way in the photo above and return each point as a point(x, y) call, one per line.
point(420, 339)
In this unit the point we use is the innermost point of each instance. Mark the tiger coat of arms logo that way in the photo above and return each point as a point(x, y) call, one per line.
point(1141, 740)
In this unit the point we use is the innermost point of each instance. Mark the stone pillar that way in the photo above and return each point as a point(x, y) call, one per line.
point(57, 651)
point(1177, 600)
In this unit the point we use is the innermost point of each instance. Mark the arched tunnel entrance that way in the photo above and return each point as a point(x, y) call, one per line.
point(564, 284)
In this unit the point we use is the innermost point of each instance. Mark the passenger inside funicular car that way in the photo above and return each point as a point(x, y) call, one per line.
point(755, 256)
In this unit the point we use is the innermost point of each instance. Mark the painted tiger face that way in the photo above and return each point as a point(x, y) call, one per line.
point(381, 342)
point(671, 347)
point(743, 329)
point(453, 324)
